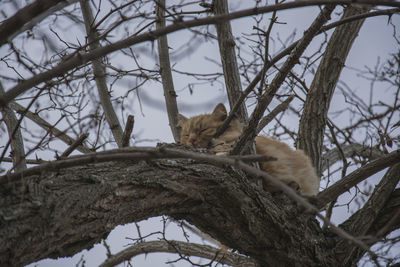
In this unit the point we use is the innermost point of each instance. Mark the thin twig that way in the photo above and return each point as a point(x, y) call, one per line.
point(82, 58)
point(278, 109)
point(47, 126)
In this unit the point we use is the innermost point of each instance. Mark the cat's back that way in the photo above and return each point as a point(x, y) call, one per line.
point(291, 165)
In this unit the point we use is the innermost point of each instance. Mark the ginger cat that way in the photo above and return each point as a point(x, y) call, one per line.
point(291, 166)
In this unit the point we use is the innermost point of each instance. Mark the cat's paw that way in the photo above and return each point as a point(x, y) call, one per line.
point(222, 153)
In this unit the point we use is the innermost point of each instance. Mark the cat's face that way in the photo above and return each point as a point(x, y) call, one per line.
point(198, 131)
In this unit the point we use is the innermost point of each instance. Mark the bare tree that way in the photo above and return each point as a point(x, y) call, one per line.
point(74, 72)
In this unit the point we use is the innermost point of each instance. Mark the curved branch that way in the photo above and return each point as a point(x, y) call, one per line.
point(314, 117)
point(181, 248)
point(77, 60)
point(62, 211)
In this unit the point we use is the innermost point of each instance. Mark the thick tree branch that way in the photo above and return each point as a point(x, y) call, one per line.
point(362, 173)
point(77, 60)
point(360, 222)
point(166, 73)
point(181, 248)
point(42, 217)
point(226, 43)
point(314, 117)
point(388, 218)
point(164, 152)
point(100, 75)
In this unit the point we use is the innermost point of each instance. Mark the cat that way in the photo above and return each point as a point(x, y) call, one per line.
point(291, 166)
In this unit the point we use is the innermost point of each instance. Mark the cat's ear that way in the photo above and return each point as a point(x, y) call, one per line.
point(181, 120)
point(220, 112)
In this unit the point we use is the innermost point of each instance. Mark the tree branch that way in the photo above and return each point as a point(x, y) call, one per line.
point(249, 131)
point(184, 248)
point(14, 133)
point(74, 145)
point(128, 130)
point(388, 218)
point(350, 180)
point(100, 75)
point(351, 150)
point(361, 221)
point(226, 44)
point(164, 152)
point(76, 60)
point(105, 194)
point(12, 26)
point(278, 109)
point(48, 127)
point(314, 117)
point(166, 73)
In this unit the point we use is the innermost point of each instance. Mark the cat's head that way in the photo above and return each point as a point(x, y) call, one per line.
point(198, 131)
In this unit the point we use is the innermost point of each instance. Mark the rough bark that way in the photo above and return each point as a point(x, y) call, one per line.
point(360, 223)
point(62, 212)
point(226, 44)
point(314, 117)
point(99, 72)
point(360, 174)
point(166, 73)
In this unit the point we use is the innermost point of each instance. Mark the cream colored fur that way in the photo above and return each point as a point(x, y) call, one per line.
point(291, 166)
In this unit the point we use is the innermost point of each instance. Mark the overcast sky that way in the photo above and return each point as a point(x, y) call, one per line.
point(374, 42)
